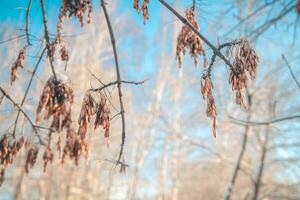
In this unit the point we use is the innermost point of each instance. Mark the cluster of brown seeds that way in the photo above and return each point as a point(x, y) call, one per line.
point(145, 11)
point(48, 154)
point(103, 116)
point(19, 63)
point(90, 108)
point(206, 90)
point(76, 8)
point(74, 146)
point(31, 158)
point(56, 99)
point(8, 151)
point(245, 61)
point(188, 40)
point(298, 7)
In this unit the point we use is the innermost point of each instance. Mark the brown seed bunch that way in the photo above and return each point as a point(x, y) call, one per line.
point(19, 63)
point(74, 146)
point(145, 10)
point(103, 116)
point(76, 8)
point(31, 158)
point(188, 40)
point(56, 99)
point(206, 90)
point(88, 109)
point(2, 175)
point(298, 7)
point(8, 151)
point(245, 61)
point(48, 154)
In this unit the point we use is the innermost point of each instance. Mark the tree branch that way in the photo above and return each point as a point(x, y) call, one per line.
point(252, 123)
point(34, 127)
point(48, 46)
point(232, 180)
point(119, 82)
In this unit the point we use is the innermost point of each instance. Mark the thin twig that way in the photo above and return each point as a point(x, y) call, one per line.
point(34, 127)
point(251, 123)
point(119, 82)
point(27, 89)
point(48, 45)
point(291, 71)
point(116, 83)
point(27, 22)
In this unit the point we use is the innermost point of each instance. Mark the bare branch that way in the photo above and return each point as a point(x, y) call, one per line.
point(119, 82)
point(232, 180)
point(291, 71)
point(51, 59)
point(251, 123)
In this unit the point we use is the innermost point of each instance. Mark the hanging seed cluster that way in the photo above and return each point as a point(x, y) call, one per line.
point(103, 116)
point(187, 40)
point(206, 91)
point(91, 108)
point(77, 8)
point(245, 61)
point(31, 158)
point(144, 8)
point(56, 100)
point(19, 63)
point(8, 151)
point(63, 52)
point(48, 154)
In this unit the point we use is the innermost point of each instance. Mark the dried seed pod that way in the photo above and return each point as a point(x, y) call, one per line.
point(2, 175)
point(77, 8)
point(57, 100)
point(48, 156)
point(31, 158)
point(188, 40)
point(19, 63)
point(145, 10)
point(298, 7)
point(103, 116)
point(136, 5)
point(206, 90)
point(88, 109)
point(245, 61)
